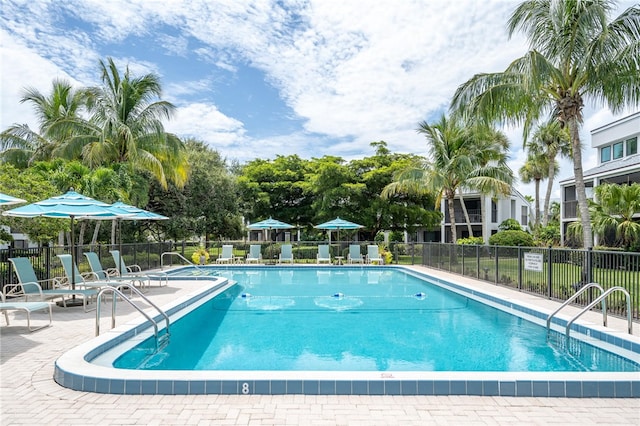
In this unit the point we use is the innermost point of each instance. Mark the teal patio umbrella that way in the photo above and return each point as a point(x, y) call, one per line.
point(269, 224)
point(336, 225)
point(70, 205)
point(7, 200)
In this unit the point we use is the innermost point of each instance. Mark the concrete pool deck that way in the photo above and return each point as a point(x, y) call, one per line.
point(28, 394)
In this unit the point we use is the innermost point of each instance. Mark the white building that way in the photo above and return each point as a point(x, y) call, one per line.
point(618, 162)
point(496, 211)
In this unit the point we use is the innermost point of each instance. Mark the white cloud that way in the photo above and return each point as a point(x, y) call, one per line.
point(205, 122)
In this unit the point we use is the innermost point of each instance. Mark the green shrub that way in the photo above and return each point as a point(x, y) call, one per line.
point(510, 225)
point(471, 241)
point(511, 238)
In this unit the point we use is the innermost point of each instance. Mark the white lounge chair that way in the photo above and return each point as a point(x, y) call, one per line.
point(254, 254)
point(354, 255)
point(373, 255)
point(286, 254)
point(112, 274)
point(227, 254)
point(27, 308)
point(323, 254)
point(31, 288)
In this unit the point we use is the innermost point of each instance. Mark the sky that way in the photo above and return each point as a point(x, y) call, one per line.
point(257, 79)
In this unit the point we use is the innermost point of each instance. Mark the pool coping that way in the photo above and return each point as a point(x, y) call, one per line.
point(72, 370)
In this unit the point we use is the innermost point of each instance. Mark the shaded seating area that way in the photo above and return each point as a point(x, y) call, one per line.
point(111, 274)
point(27, 308)
point(373, 255)
point(286, 254)
point(73, 275)
point(255, 254)
point(135, 271)
point(30, 287)
point(354, 255)
point(324, 254)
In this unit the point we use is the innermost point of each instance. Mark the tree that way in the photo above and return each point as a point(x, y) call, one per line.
point(534, 169)
point(616, 208)
point(20, 145)
point(550, 140)
point(459, 157)
point(576, 54)
point(125, 126)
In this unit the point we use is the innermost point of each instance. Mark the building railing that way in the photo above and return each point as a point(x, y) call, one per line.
point(553, 273)
point(475, 216)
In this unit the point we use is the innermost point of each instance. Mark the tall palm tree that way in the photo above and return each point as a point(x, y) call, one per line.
point(21, 145)
point(125, 126)
point(576, 54)
point(458, 157)
point(550, 140)
point(535, 169)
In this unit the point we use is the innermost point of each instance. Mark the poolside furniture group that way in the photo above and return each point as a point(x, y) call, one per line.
point(31, 295)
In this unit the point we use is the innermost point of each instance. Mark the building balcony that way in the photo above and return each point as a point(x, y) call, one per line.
point(475, 216)
point(570, 210)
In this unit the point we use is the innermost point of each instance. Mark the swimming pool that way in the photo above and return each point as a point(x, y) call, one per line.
point(393, 304)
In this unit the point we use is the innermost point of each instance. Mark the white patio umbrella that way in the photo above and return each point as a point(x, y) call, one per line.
point(70, 205)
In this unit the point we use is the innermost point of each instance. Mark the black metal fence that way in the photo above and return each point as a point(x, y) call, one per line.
point(553, 273)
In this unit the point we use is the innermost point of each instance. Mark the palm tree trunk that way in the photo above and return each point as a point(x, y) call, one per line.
point(466, 214)
point(583, 206)
point(452, 219)
point(537, 202)
point(96, 230)
point(547, 197)
point(114, 226)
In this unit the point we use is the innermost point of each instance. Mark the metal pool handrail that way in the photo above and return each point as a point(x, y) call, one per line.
point(115, 292)
point(574, 297)
point(602, 298)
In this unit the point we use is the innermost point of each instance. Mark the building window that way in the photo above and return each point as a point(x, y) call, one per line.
point(632, 146)
point(524, 216)
point(513, 209)
point(494, 212)
point(618, 150)
point(605, 154)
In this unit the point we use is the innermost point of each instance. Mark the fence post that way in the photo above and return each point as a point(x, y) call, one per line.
point(549, 273)
point(519, 268)
point(497, 272)
point(589, 266)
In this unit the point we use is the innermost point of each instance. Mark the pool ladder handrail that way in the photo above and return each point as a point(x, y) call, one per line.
point(118, 292)
point(175, 253)
point(602, 298)
point(574, 297)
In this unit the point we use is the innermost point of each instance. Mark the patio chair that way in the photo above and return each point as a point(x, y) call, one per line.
point(227, 254)
point(286, 254)
point(111, 274)
point(323, 254)
point(373, 255)
point(135, 271)
point(30, 287)
point(27, 308)
point(88, 279)
point(354, 255)
point(254, 254)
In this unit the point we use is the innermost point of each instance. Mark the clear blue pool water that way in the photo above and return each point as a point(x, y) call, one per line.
point(358, 319)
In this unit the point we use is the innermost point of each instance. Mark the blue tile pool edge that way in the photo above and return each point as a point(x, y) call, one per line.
point(74, 371)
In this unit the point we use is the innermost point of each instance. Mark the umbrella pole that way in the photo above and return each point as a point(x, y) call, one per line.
point(120, 244)
point(73, 257)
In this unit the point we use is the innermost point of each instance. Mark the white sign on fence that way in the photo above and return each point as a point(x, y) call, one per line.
point(533, 262)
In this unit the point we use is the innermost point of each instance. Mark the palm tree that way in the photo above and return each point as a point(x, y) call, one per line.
point(549, 140)
point(535, 169)
point(575, 55)
point(459, 157)
point(617, 208)
point(20, 144)
point(125, 126)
